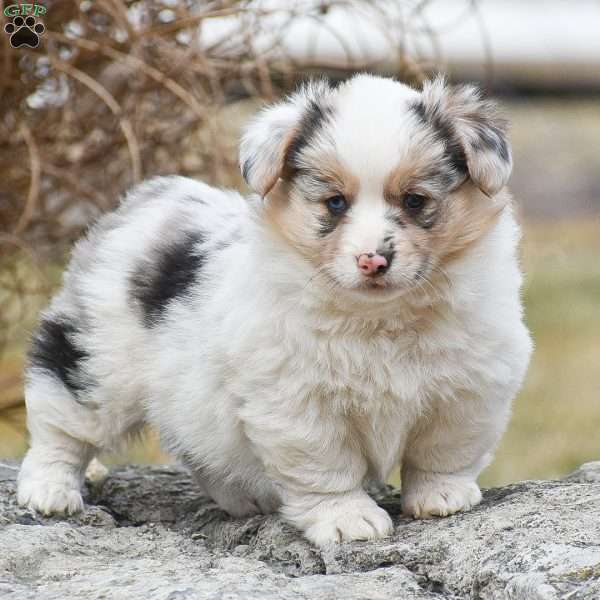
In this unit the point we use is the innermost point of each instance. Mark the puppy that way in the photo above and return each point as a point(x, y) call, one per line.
point(360, 310)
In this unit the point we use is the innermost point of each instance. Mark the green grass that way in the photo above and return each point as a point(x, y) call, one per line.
point(556, 421)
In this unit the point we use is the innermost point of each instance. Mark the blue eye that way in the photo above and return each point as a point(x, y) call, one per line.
point(414, 202)
point(337, 204)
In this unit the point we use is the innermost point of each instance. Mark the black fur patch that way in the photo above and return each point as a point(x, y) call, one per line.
point(444, 132)
point(54, 350)
point(328, 223)
point(310, 123)
point(155, 285)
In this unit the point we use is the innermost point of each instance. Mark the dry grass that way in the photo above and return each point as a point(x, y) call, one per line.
point(555, 422)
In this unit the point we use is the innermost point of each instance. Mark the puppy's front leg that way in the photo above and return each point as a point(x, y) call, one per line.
point(445, 455)
point(319, 466)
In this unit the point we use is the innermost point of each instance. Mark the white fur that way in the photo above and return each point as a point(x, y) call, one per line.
point(274, 389)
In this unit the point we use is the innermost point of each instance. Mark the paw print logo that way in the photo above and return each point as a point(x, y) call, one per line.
point(24, 32)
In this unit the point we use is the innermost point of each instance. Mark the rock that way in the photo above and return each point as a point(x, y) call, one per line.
point(148, 533)
point(587, 473)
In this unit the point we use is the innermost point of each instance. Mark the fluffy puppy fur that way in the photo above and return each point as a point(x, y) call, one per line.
point(361, 310)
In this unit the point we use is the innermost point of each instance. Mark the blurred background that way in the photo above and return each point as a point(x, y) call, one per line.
point(119, 90)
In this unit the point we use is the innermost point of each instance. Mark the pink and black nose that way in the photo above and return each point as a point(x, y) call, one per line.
point(372, 264)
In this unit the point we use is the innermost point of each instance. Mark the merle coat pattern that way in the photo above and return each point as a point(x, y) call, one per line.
point(360, 310)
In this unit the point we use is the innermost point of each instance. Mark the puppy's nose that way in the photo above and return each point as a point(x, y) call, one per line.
point(373, 264)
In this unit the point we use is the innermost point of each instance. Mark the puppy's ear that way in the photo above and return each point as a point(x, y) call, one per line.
point(460, 115)
point(276, 136)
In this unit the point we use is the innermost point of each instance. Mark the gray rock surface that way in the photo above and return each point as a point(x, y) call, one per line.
point(147, 533)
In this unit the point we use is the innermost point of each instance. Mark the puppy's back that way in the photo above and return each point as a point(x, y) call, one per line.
point(125, 276)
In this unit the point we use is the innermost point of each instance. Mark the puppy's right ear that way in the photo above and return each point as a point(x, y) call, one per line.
point(277, 135)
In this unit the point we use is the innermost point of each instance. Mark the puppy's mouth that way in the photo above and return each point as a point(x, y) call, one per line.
point(385, 286)
point(380, 287)
point(376, 284)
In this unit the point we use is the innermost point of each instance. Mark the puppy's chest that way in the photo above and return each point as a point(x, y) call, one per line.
point(346, 368)
point(363, 370)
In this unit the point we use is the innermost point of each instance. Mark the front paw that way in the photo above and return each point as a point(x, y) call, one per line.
point(49, 498)
point(436, 495)
point(50, 488)
point(343, 519)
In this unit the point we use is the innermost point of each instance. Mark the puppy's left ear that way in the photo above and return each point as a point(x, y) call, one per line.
point(276, 136)
point(460, 111)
